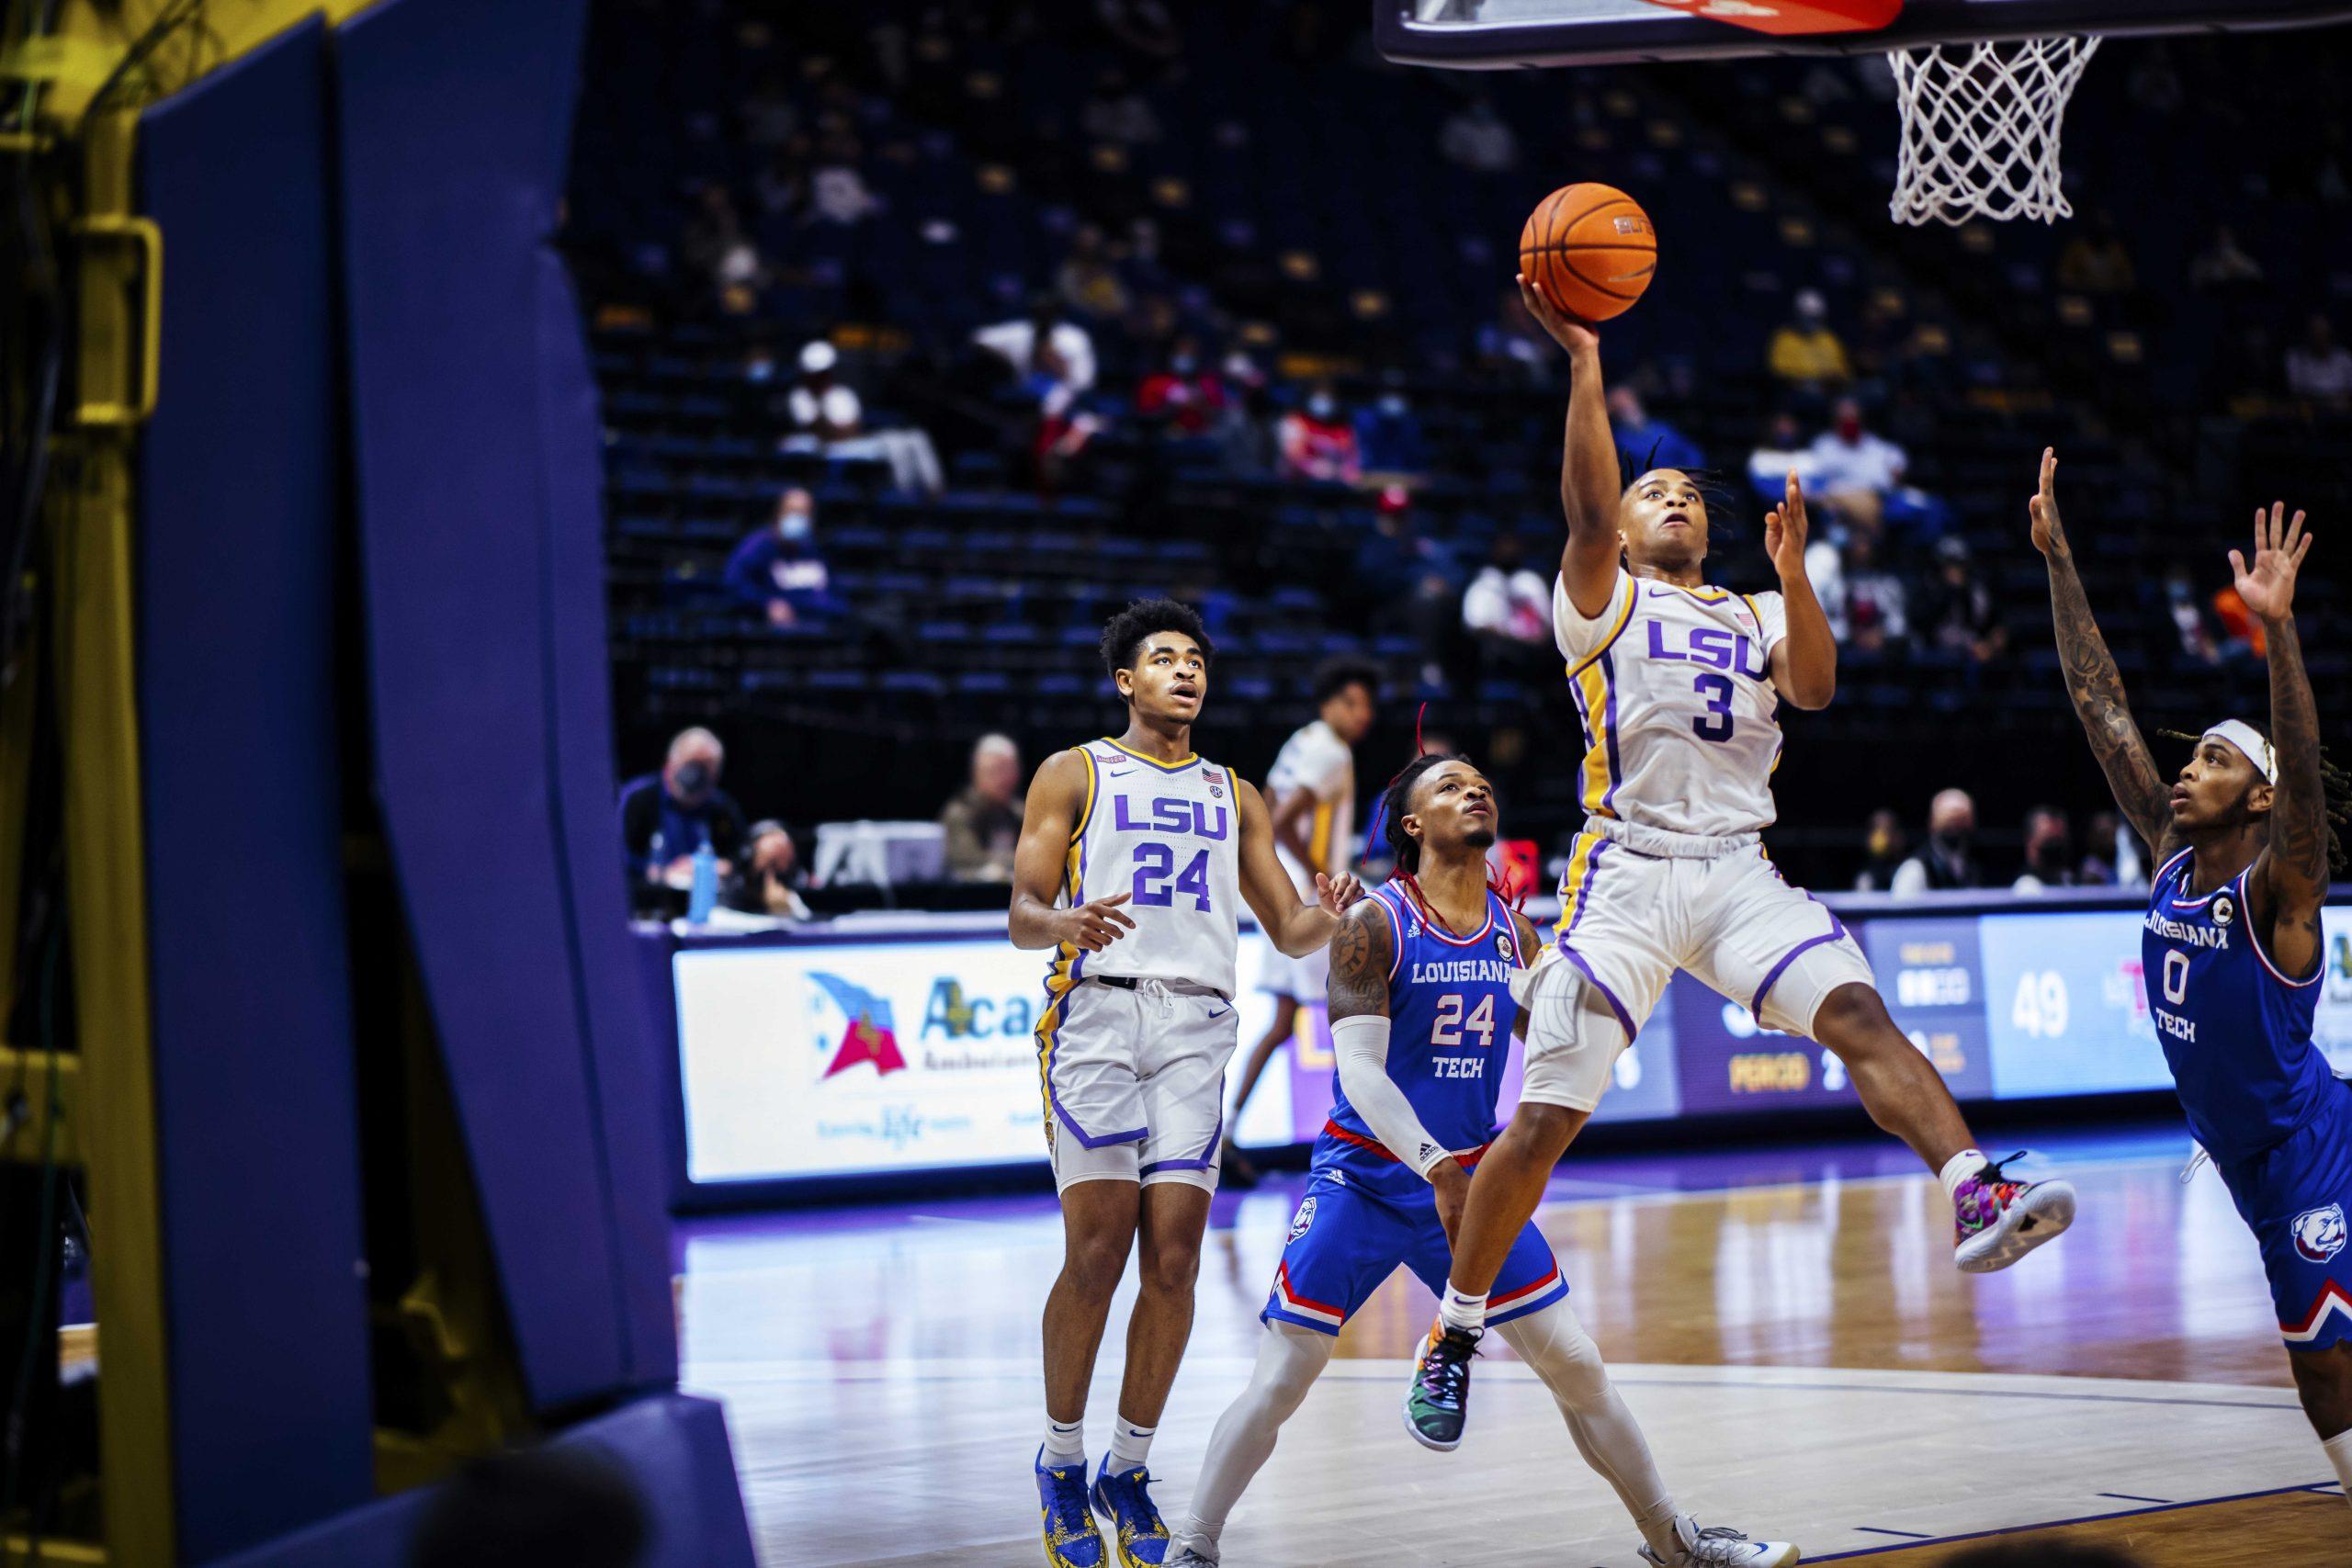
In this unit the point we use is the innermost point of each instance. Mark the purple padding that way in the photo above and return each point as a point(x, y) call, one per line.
point(673, 1446)
point(453, 119)
point(239, 507)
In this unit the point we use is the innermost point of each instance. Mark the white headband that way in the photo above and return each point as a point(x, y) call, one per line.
point(2248, 739)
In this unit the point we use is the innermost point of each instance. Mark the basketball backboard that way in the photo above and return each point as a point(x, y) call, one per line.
point(1492, 34)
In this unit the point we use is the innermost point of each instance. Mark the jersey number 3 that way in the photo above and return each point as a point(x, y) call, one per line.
point(1717, 726)
point(1451, 1026)
point(1152, 887)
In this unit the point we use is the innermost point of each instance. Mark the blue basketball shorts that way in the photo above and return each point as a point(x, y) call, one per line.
point(1345, 1240)
point(2297, 1196)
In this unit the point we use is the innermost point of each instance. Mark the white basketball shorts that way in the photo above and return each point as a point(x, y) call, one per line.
point(1305, 979)
point(1135, 1081)
point(1628, 920)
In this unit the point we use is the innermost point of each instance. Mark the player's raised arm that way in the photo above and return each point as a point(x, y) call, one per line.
point(1295, 928)
point(2094, 683)
point(2295, 864)
point(1804, 662)
point(1591, 485)
point(1048, 824)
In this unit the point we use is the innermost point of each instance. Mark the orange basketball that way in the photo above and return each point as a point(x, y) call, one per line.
point(1592, 249)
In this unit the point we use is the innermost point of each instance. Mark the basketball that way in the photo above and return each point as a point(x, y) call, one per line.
point(1592, 249)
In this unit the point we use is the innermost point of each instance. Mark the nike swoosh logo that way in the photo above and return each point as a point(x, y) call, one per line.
point(1116, 772)
point(1220, 1013)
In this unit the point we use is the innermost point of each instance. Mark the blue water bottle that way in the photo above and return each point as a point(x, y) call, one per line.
point(704, 894)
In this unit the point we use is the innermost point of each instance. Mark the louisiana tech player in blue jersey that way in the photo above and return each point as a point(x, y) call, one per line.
point(1422, 1024)
point(2231, 950)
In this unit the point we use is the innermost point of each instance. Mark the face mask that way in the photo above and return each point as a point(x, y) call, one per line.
point(1393, 403)
point(1952, 844)
point(1849, 430)
point(691, 780)
point(1183, 363)
point(1882, 843)
point(795, 526)
point(759, 370)
point(1320, 407)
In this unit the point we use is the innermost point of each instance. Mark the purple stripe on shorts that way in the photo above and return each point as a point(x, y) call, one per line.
point(1208, 1153)
point(1085, 1139)
point(1573, 956)
point(1756, 1007)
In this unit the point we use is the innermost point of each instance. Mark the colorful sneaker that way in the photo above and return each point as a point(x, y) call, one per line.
point(1997, 1221)
point(1124, 1500)
point(1440, 1395)
point(1720, 1546)
point(1071, 1539)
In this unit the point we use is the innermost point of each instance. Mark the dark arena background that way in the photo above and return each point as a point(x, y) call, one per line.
point(548, 541)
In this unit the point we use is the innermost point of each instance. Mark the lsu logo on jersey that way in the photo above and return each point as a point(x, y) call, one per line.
point(1304, 1218)
point(2319, 1233)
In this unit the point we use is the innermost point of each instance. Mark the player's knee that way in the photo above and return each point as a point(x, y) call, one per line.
point(1171, 1267)
point(1093, 1264)
point(1540, 1131)
point(1853, 1020)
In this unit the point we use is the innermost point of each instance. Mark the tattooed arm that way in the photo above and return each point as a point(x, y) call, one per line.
point(1363, 953)
point(2293, 868)
point(2094, 683)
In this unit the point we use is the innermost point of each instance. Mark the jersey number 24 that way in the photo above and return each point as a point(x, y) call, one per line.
point(1450, 1025)
point(1152, 885)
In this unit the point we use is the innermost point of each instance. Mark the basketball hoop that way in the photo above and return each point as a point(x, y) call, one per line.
point(1981, 123)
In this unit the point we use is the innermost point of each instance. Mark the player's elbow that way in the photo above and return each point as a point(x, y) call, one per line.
point(1814, 694)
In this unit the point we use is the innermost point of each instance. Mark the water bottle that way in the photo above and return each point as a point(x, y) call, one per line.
point(704, 894)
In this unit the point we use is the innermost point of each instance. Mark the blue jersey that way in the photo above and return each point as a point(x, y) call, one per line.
point(1451, 1014)
point(2236, 1029)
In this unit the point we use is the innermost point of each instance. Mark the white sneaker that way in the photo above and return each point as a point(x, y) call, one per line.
point(1187, 1558)
point(1720, 1546)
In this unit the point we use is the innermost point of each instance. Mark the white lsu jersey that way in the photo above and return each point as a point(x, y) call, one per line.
point(1170, 836)
point(1316, 760)
point(1674, 688)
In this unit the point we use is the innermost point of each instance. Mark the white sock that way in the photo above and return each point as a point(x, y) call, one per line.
point(1959, 1168)
point(1065, 1441)
point(1129, 1444)
point(1289, 1360)
point(1465, 1313)
point(1603, 1430)
point(2338, 1449)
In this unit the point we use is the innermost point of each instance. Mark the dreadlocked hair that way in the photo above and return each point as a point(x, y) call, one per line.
point(1395, 803)
point(2335, 794)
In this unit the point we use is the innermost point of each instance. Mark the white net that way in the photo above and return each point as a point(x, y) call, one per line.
point(1980, 128)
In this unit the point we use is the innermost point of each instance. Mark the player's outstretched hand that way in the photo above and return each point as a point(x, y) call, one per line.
point(1785, 529)
point(1336, 896)
point(1567, 330)
point(1095, 925)
point(2269, 585)
point(2049, 537)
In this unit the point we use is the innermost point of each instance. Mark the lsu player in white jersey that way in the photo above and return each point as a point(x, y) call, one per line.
point(1136, 855)
point(1312, 790)
point(1678, 684)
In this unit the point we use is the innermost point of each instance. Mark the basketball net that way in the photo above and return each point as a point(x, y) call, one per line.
point(1980, 128)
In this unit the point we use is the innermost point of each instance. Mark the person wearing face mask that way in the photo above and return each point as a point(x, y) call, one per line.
point(1857, 468)
point(778, 570)
point(2049, 851)
point(666, 816)
point(826, 415)
point(1886, 847)
point(1389, 442)
point(1186, 395)
point(1317, 442)
point(1947, 858)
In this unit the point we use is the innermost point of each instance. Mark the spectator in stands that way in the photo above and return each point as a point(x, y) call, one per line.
point(2319, 367)
point(717, 249)
point(1882, 852)
point(1116, 113)
point(1947, 858)
point(2223, 267)
point(1957, 609)
point(983, 821)
point(2049, 851)
point(1856, 468)
point(1507, 610)
point(1246, 440)
point(1389, 442)
point(837, 189)
point(1087, 283)
point(2110, 854)
point(1052, 357)
point(827, 416)
point(1318, 443)
point(1476, 138)
point(1876, 601)
point(778, 570)
point(2098, 261)
point(770, 882)
point(666, 816)
point(1805, 351)
point(2199, 643)
point(1184, 395)
point(1512, 342)
point(1416, 584)
point(1782, 448)
point(1652, 444)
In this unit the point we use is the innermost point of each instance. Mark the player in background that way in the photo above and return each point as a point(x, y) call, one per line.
point(1678, 684)
point(1421, 1022)
point(2231, 953)
point(1134, 857)
point(1312, 790)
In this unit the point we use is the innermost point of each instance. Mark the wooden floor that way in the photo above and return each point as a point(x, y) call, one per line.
point(1805, 1359)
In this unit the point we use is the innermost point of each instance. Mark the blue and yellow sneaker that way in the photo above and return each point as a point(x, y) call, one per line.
point(1071, 1539)
point(1122, 1500)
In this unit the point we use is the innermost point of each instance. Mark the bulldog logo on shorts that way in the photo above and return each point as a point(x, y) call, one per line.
point(2319, 1233)
point(1304, 1218)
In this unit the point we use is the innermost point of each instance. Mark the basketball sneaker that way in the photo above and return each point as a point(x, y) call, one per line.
point(1440, 1395)
point(1997, 1221)
point(1720, 1546)
point(1071, 1539)
point(1187, 1558)
point(1124, 1500)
